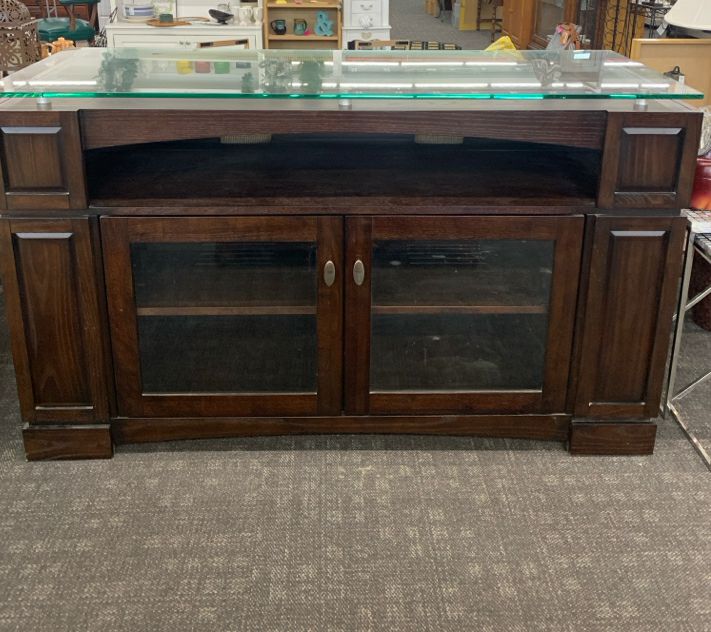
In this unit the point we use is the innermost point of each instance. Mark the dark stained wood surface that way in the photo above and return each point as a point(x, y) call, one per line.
point(546, 427)
point(53, 305)
point(42, 161)
point(356, 348)
point(317, 172)
point(611, 438)
point(107, 128)
point(67, 442)
point(648, 160)
point(329, 321)
point(634, 274)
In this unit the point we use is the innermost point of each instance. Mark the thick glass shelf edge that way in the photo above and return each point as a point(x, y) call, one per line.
point(327, 74)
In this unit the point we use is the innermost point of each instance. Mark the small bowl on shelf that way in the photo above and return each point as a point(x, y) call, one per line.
point(222, 17)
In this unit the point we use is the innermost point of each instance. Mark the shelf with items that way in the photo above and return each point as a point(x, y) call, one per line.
point(281, 20)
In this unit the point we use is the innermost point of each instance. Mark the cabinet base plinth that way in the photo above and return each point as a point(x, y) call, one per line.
point(544, 427)
point(47, 443)
point(604, 437)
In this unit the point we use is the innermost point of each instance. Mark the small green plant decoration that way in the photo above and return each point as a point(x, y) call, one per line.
point(311, 77)
point(117, 73)
point(248, 83)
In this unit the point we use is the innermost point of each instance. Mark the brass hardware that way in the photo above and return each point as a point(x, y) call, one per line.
point(329, 273)
point(358, 272)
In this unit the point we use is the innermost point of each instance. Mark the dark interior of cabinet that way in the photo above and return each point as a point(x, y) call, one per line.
point(320, 170)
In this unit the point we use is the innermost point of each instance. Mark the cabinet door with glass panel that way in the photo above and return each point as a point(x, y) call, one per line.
point(460, 314)
point(225, 316)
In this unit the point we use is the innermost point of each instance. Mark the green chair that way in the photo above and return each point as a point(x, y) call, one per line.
point(51, 29)
point(72, 28)
point(92, 6)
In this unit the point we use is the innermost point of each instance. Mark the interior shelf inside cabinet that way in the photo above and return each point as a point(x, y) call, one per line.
point(321, 171)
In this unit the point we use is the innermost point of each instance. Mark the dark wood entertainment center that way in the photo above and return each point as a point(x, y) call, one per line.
point(497, 268)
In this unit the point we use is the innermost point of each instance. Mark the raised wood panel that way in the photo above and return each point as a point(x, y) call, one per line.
point(42, 161)
point(53, 306)
point(33, 158)
point(50, 307)
point(648, 160)
point(634, 269)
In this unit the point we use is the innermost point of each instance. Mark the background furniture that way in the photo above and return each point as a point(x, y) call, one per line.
point(19, 40)
point(366, 20)
point(693, 56)
point(291, 11)
point(137, 34)
point(91, 9)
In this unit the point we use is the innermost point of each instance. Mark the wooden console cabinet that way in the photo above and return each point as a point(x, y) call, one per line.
point(345, 276)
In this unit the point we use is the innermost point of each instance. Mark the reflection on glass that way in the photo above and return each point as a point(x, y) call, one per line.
point(224, 274)
point(549, 13)
point(228, 354)
point(226, 316)
point(460, 315)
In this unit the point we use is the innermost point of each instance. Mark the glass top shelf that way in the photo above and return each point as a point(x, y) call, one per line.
point(226, 72)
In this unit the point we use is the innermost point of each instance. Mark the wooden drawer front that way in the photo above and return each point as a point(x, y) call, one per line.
point(648, 161)
point(634, 269)
point(42, 166)
point(54, 315)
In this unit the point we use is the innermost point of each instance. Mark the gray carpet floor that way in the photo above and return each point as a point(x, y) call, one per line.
point(352, 534)
point(410, 21)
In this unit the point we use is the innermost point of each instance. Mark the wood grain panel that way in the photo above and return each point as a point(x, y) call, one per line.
point(78, 442)
point(635, 266)
point(42, 161)
point(33, 158)
point(107, 128)
point(140, 430)
point(50, 306)
point(648, 160)
point(329, 321)
point(57, 333)
point(612, 438)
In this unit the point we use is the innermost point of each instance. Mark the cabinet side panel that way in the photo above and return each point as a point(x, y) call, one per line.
point(634, 271)
point(53, 300)
point(50, 311)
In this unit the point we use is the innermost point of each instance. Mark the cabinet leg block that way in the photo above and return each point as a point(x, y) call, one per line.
point(607, 437)
point(46, 443)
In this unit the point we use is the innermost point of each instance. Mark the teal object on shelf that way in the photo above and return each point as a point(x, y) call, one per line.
point(324, 25)
point(51, 29)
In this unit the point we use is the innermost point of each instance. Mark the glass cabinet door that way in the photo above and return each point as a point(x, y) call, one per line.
point(461, 314)
point(225, 316)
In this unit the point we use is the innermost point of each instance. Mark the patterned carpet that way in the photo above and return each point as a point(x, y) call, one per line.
point(352, 534)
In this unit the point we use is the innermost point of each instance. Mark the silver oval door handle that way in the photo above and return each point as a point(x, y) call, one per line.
point(358, 272)
point(329, 273)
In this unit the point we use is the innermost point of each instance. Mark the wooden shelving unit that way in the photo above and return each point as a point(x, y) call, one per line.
point(289, 11)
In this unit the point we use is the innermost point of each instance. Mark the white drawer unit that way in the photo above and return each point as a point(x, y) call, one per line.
point(366, 20)
point(121, 34)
